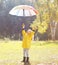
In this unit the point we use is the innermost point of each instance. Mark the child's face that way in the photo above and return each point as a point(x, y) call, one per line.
point(29, 30)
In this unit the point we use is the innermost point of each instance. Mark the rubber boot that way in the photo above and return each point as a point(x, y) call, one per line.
point(24, 58)
point(28, 59)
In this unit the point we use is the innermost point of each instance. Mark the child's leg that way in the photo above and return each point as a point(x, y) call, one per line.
point(26, 54)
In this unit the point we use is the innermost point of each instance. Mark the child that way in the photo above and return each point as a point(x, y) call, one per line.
point(26, 43)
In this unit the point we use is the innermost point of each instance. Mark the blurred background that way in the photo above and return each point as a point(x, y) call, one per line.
point(10, 26)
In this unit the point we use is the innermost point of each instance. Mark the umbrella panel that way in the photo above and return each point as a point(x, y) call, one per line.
point(23, 10)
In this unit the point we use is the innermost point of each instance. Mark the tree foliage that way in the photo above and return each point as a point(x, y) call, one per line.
point(48, 12)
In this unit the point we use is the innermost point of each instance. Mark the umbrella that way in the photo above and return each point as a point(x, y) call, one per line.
point(23, 10)
point(26, 14)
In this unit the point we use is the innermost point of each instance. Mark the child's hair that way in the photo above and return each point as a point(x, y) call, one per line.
point(30, 28)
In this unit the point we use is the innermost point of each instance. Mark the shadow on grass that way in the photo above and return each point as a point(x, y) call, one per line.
point(27, 63)
point(48, 42)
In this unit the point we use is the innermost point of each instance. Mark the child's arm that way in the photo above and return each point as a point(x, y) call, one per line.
point(23, 29)
point(33, 31)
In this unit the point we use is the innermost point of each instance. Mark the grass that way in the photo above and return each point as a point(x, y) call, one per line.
point(11, 52)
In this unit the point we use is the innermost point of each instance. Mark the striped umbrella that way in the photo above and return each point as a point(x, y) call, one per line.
point(23, 10)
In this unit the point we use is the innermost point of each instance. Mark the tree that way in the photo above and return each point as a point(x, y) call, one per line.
point(48, 14)
point(53, 11)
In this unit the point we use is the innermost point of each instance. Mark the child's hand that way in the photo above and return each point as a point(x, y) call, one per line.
point(34, 28)
point(23, 25)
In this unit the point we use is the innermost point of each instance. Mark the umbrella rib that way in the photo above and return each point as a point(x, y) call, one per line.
point(23, 13)
point(30, 12)
point(17, 12)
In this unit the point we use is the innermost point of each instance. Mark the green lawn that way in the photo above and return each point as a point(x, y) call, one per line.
point(11, 52)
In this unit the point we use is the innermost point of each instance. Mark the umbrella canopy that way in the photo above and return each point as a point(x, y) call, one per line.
point(23, 10)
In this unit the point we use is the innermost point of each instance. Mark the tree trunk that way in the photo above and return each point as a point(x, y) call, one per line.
point(53, 26)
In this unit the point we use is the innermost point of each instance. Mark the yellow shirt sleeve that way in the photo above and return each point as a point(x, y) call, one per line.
point(32, 33)
point(23, 32)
